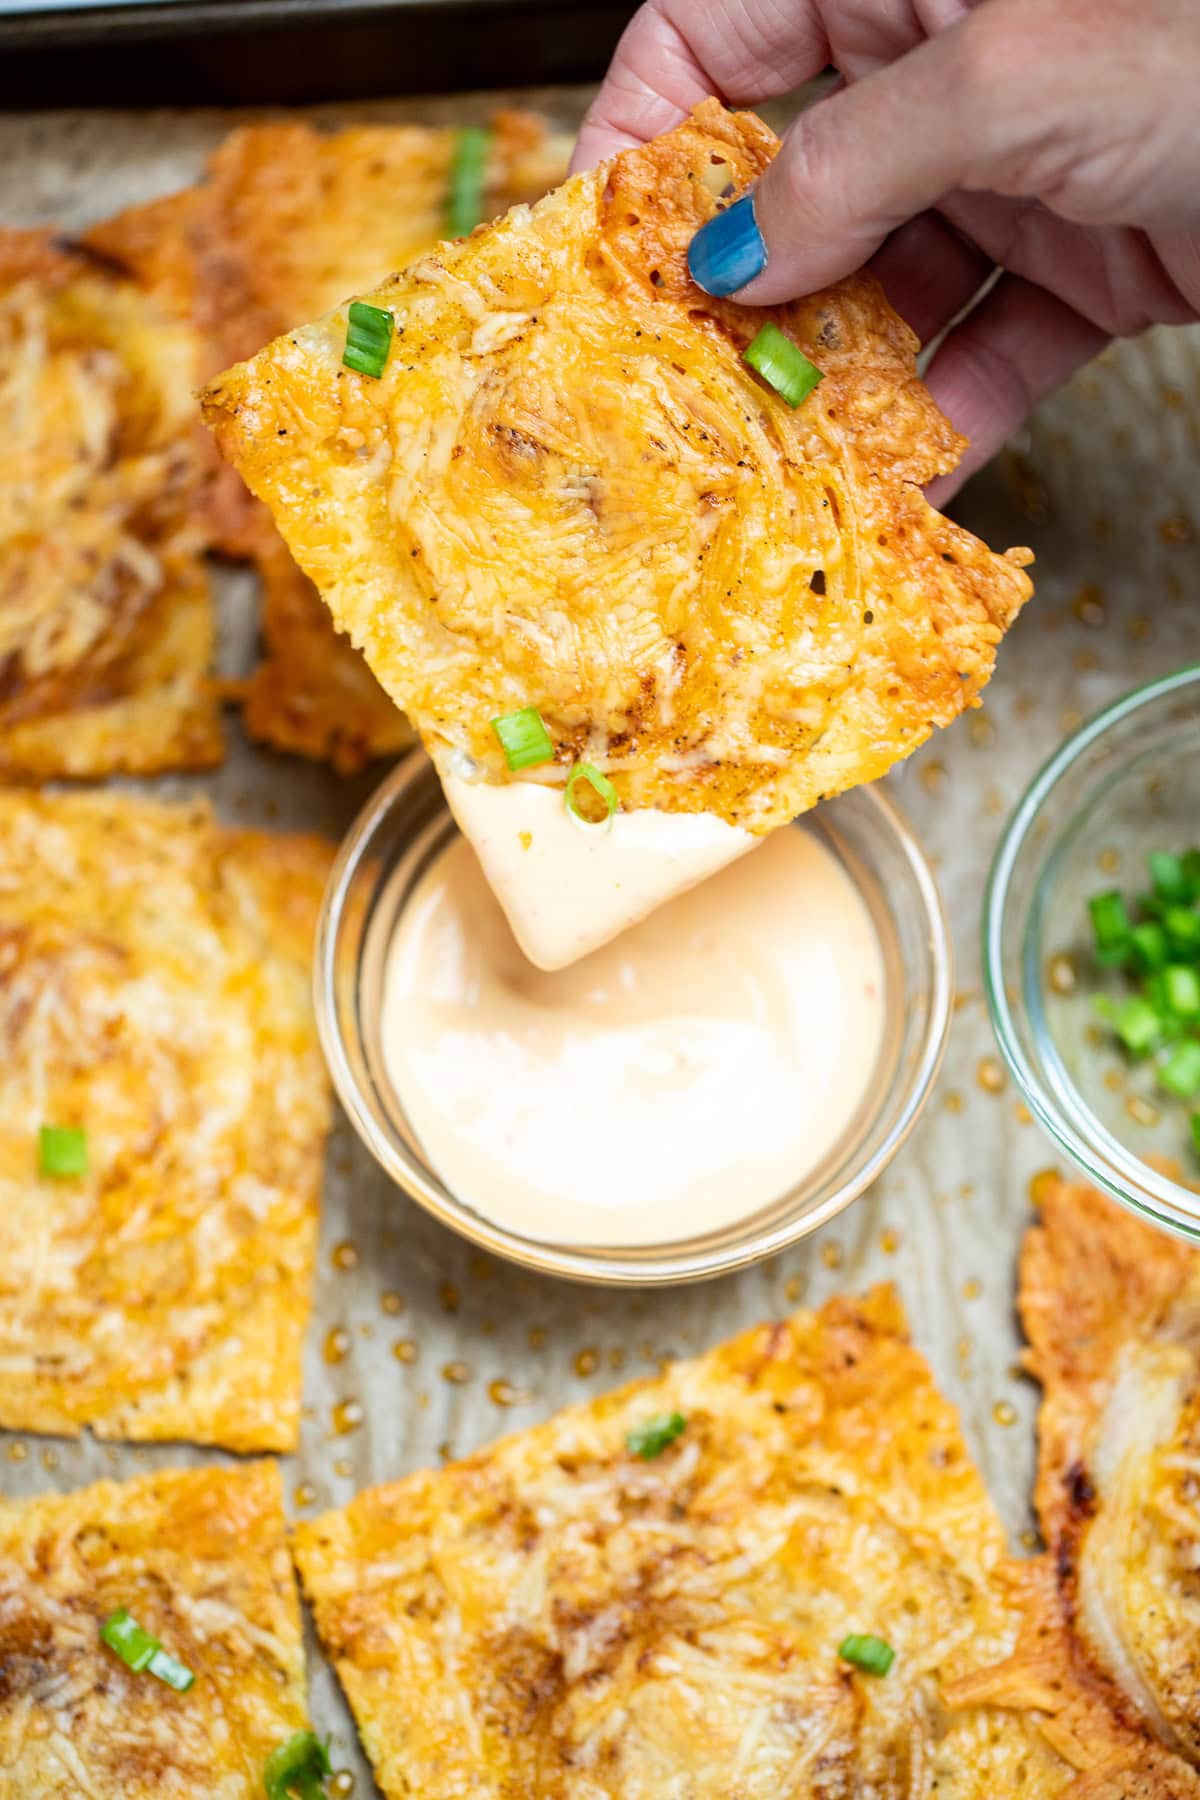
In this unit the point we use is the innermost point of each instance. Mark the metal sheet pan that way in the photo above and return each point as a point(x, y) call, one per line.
point(446, 1349)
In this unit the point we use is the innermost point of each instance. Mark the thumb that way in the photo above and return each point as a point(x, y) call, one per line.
point(858, 164)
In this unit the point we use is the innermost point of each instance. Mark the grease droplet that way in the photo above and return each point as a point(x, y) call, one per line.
point(392, 1304)
point(953, 1101)
point(347, 1416)
point(456, 1373)
point(1030, 1539)
point(449, 1297)
point(990, 1075)
point(1089, 606)
point(1114, 1080)
point(972, 1288)
point(933, 774)
point(1060, 975)
point(1177, 530)
point(405, 1350)
point(1141, 1111)
point(831, 1254)
point(616, 1358)
point(1004, 1413)
point(506, 1393)
point(791, 1288)
point(341, 1784)
point(305, 1493)
point(1109, 860)
point(18, 1452)
point(337, 1344)
point(1022, 1114)
point(1042, 1185)
point(50, 1460)
point(343, 1467)
point(587, 1362)
point(344, 1256)
point(537, 1337)
point(446, 1450)
point(889, 1241)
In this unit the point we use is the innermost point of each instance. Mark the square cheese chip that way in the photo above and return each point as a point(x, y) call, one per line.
point(154, 994)
point(106, 630)
point(285, 224)
point(199, 1558)
point(568, 490)
point(648, 1595)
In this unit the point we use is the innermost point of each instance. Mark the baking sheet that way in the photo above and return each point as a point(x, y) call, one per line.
point(443, 1349)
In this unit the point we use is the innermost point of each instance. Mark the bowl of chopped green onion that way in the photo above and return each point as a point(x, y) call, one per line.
point(1091, 949)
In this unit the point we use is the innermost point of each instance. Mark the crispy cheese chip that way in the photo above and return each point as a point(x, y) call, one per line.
point(106, 631)
point(286, 223)
point(568, 490)
point(154, 993)
point(1111, 1307)
point(200, 1560)
point(563, 1615)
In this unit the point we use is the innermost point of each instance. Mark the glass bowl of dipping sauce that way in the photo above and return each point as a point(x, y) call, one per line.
point(1123, 785)
point(700, 1093)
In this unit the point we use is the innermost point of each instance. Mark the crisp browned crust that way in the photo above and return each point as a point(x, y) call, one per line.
point(556, 1617)
point(105, 620)
point(569, 490)
point(1111, 1307)
point(154, 988)
point(199, 1558)
point(287, 222)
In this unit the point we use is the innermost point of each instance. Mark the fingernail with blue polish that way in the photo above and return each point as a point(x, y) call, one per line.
point(729, 251)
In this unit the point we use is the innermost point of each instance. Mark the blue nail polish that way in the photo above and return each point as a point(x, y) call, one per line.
point(729, 251)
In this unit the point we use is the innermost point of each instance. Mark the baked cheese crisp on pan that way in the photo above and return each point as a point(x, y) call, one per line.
point(1111, 1307)
point(287, 222)
point(198, 1558)
point(156, 1248)
point(660, 1592)
point(106, 629)
point(568, 490)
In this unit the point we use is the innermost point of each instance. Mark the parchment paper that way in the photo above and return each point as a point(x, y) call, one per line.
point(444, 1349)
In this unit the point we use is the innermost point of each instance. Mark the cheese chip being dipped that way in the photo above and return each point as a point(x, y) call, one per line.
point(568, 490)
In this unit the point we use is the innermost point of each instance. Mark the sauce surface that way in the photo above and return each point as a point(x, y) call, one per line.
point(685, 1075)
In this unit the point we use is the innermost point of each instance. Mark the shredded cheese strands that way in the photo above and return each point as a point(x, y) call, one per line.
point(653, 1436)
point(868, 1653)
point(782, 365)
point(585, 771)
point(62, 1151)
point(297, 1769)
point(464, 208)
point(140, 1650)
point(368, 338)
point(524, 738)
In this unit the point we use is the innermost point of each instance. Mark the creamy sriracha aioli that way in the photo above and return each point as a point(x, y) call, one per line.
point(689, 1072)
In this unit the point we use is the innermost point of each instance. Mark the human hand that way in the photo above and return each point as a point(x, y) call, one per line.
point(1055, 140)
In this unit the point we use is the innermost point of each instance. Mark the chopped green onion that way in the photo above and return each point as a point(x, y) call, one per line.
point(1181, 990)
point(1180, 1074)
point(780, 363)
point(368, 338)
point(468, 174)
point(1111, 926)
point(1195, 1127)
point(139, 1649)
point(1138, 1025)
point(1166, 872)
point(868, 1653)
point(524, 738)
point(1191, 872)
point(1182, 927)
point(62, 1151)
point(585, 771)
point(1149, 944)
point(652, 1437)
point(297, 1769)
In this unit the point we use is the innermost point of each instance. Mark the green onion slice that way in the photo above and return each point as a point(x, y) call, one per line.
point(1182, 927)
point(297, 1769)
point(652, 1436)
point(524, 738)
point(585, 771)
point(1111, 927)
point(1149, 944)
point(1166, 872)
point(62, 1151)
point(468, 174)
point(868, 1653)
point(780, 363)
point(1180, 1073)
point(1181, 990)
point(1195, 1127)
point(1138, 1025)
point(139, 1649)
point(368, 338)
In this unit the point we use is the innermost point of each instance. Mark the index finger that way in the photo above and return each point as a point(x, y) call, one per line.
point(675, 53)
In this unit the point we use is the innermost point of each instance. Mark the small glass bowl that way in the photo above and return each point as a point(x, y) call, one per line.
point(1125, 783)
point(406, 824)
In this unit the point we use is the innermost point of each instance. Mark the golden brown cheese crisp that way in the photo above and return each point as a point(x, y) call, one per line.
point(568, 490)
point(558, 1619)
point(287, 222)
point(1111, 1308)
point(199, 1558)
point(154, 991)
point(106, 630)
